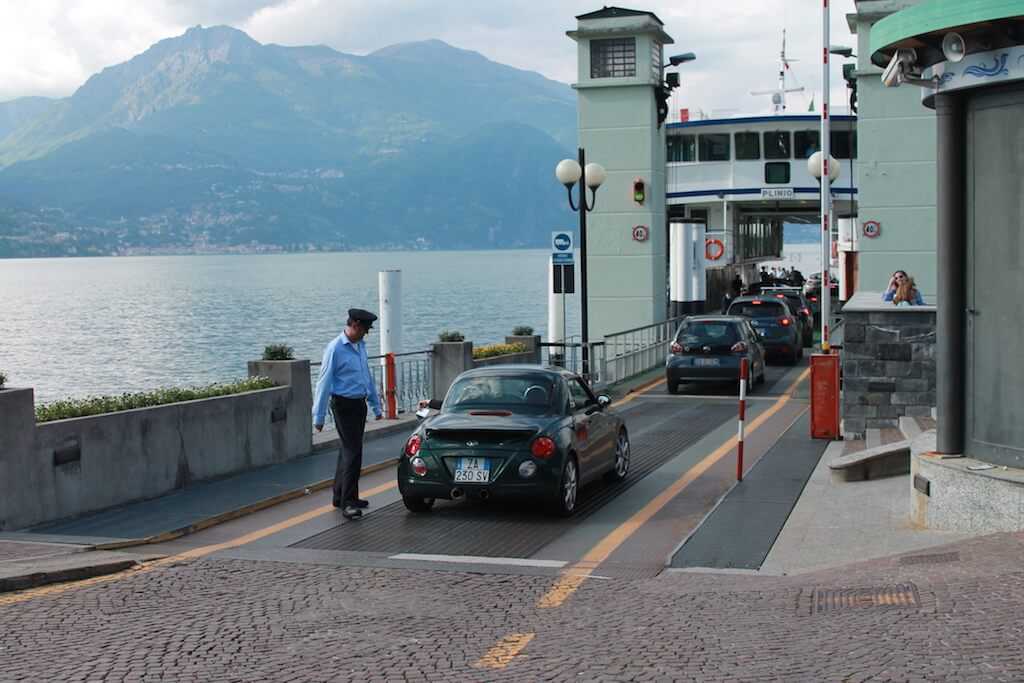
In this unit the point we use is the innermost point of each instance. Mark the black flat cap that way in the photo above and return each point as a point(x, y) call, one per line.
point(364, 318)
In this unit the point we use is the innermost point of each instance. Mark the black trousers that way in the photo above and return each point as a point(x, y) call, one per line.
point(350, 419)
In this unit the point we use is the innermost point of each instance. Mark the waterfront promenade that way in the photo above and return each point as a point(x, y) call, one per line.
point(481, 593)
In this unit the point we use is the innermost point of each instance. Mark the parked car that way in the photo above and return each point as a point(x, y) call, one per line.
point(812, 290)
point(514, 432)
point(709, 348)
point(799, 306)
point(775, 323)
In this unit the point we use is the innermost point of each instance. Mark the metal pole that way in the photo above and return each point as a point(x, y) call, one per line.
point(744, 374)
point(585, 333)
point(826, 186)
point(556, 315)
point(952, 324)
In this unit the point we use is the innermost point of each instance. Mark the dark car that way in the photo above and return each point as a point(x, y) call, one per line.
point(709, 348)
point(799, 306)
point(514, 432)
point(775, 323)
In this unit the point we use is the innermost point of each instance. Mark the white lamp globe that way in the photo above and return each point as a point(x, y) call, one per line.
point(595, 175)
point(568, 172)
point(814, 166)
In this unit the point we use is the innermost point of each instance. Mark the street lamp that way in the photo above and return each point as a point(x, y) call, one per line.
point(676, 60)
point(816, 166)
point(570, 172)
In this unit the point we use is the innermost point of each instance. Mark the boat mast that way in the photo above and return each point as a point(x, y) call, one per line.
point(779, 93)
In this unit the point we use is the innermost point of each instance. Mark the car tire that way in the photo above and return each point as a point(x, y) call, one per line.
point(417, 504)
point(620, 468)
point(564, 503)
point(761, 378)
point(672, 387)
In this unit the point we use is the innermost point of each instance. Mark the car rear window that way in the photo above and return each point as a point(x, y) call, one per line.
point(708, 332)
point(758, 308)
point(523, 393)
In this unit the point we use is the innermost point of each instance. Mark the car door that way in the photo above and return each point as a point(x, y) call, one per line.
point(586, 428)
point(756, 350)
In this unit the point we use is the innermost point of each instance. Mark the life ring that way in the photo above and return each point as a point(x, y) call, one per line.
point(718, 251)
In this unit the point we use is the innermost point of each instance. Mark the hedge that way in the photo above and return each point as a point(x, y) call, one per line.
point(491, 350)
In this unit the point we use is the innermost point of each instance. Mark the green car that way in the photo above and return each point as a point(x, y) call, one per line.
point(513, 431)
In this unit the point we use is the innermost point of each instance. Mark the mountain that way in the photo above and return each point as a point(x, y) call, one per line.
point(213, 141)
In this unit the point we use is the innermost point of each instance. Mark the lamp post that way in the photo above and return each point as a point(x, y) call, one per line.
point(570, 172)
point(816, 166)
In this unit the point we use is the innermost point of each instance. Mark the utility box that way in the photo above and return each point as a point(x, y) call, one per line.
point(824, 396)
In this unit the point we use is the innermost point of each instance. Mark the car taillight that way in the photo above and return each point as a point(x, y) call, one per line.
point(739, 347)
point(412, 446)
point(806, 311)
point(814, 298)
point(542, 448)
point(786, 322)
point(676, 348)
point(419, 466)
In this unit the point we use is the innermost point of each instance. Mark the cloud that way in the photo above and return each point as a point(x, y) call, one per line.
point(51, 46)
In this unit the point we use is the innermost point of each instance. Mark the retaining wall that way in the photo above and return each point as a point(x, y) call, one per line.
point(888, 361)
point(65, 468)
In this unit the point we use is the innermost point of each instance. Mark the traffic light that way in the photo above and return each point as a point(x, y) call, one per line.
point(639, 191)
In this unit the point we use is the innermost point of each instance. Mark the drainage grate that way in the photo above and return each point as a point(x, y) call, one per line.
point(834, 599)
point(936, 558)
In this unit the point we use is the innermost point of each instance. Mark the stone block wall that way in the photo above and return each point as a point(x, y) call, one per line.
point(888, 362)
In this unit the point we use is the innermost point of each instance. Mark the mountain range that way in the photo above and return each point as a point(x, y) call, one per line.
point(212, 141)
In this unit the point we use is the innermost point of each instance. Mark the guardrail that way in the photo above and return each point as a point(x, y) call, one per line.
point(402, 379)
point(633, 352)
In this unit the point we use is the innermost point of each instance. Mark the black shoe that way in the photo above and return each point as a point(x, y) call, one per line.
point(360, 503)
point(349, 512)
point(336, 503)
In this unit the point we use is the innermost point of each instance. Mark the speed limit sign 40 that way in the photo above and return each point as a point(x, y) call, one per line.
point(640, 233)
point(872, 229)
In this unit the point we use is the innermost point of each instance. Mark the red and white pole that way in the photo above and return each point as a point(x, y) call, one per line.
point(826, 185)
point(744, 374)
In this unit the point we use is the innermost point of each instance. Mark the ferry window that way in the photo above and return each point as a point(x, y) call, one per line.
point(613, 57)
point(806, 143)
point(714, 147)
point(776, 144)
point(776, 172)
point(844, 144)
point(699, 215)
point(748, 146)
point(682, 148)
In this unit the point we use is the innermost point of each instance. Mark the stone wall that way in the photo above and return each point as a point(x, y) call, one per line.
point(66, 468)
point(888, 362)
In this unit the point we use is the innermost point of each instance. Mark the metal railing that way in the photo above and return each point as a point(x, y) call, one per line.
point(412, 380)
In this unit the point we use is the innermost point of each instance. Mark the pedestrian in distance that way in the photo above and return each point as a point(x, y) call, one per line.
point(347, 384)
point(902, 286)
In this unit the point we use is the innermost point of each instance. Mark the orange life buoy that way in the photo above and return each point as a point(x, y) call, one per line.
point(719, 249)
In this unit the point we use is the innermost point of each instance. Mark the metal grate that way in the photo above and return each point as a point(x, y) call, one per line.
point(507, 530)
point(936, 558)
point(835, 599)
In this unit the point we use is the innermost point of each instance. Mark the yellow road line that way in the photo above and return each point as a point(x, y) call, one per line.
point(572, 577)
point(58, 588)
point(504, 651)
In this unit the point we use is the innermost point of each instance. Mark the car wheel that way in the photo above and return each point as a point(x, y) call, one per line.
point(672, 387)
point(621, 467)
point(761, 378)
point(417, 504)
point(800, 353)
point(568, 487)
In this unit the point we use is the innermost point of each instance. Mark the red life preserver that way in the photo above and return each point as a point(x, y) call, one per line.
point(718, 252)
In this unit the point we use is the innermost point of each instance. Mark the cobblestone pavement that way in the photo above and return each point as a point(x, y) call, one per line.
point(238, 620)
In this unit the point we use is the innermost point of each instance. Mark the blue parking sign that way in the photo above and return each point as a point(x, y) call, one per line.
point(561, 247)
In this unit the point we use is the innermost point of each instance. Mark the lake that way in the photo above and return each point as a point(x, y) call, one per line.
point(89, 326)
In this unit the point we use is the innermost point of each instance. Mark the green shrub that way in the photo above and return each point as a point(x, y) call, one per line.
point(98, 405)
point(491, 350)
point(278, 352)
point(522, 331)
point(3, 379)
point(453, 336)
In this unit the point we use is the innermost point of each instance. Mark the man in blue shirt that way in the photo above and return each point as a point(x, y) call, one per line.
point(346, 381)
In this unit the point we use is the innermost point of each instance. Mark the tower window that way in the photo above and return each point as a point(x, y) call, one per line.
point(613, 58)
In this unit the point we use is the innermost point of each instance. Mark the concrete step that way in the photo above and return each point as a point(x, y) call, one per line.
point(889, 460)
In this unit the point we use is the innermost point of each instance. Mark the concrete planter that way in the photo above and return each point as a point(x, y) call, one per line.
point(531, 342)
point(448, 360)
point(65, 468)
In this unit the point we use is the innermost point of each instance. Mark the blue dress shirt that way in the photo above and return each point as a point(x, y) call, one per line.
point(345, 371)
point(918, 299)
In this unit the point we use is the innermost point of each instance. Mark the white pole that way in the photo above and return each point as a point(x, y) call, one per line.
point(697, 274)
point(826, 185)
point(556, 313)
point(390, 293)
point(676, 256)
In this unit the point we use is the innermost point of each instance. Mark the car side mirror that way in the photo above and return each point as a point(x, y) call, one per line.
point(604, 401)
point(423, 413)
point(435, 404)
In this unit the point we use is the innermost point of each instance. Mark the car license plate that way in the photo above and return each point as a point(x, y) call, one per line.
point(705, 362)
point(473, 470)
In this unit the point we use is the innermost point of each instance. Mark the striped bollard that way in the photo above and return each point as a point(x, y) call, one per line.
point(744, 373)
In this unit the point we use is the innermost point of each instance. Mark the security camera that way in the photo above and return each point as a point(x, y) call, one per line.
point(899, 68)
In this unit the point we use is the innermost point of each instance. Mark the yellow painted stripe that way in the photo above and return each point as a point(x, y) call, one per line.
point(504, 651)
point(572, 577)
point(58, 588)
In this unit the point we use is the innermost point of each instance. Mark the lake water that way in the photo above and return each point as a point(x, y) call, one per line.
point(89, 326)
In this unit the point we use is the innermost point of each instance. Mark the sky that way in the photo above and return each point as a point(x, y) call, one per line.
point(50, 47)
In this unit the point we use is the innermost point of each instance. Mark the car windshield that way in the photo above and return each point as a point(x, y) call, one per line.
point(758, 308)
point(523, 393)
point(708, 332)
